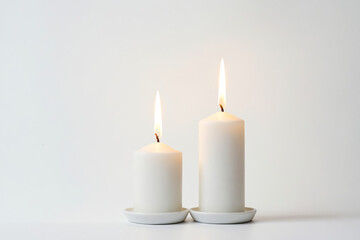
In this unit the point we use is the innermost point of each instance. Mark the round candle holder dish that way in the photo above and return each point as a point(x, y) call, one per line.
point(156, 218)
point(223, 218)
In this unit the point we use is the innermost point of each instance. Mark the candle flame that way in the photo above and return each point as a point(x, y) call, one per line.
point(158, 118)
point(222, 85)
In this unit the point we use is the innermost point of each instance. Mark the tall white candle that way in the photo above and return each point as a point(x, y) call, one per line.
point(157, 174)
point(221, 159)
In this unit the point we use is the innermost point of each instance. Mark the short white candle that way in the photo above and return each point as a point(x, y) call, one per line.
point(157, 174)
point(221, 159)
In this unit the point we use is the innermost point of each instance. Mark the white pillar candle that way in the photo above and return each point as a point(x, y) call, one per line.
point(221, 159)
point(157, 179)
point(157, 174)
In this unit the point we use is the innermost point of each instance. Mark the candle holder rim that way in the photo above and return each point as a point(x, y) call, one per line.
point(156, 218)
point(246, 210)
point(154, 213)
point(223, 217)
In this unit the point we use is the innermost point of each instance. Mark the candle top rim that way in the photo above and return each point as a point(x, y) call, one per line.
point(158, 147)
point(221, 117)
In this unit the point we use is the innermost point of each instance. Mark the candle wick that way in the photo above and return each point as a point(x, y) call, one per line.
point(157, 138)
point(222, 109)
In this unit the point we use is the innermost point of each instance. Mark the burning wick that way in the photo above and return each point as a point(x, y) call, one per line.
point(157, 138)
point(222, 109)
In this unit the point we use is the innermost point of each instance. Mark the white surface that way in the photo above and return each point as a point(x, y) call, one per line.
point(221, 163)
point(223, 218)
point(156, 218)
point(157, 179)
point(279, 228)
point(77, 81)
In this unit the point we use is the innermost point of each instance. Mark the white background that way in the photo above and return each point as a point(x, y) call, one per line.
point(77, 89)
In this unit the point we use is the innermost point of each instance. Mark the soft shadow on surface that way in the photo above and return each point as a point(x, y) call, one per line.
point(294, 217)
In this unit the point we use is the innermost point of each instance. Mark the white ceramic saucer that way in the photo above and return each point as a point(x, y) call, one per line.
point(156, 218)
point(223, 218)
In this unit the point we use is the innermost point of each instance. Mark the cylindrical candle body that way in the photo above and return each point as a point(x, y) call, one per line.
point(221, 163)
point(157, 179)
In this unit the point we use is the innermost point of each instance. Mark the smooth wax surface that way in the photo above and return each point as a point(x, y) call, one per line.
point(221, 163)
point(157, 179)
